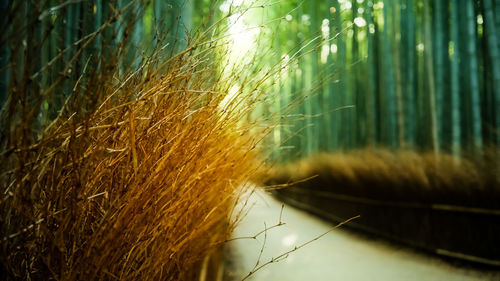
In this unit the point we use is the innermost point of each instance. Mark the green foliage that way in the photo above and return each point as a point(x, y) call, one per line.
point(394, 73)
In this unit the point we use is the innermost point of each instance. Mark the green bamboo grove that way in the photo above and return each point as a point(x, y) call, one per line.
point(410, 74)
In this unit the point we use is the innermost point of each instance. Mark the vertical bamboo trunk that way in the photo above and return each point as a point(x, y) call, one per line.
point(328, 101)
point(455, 82)
point(445, 72)
point(167, 15)
point(56, 44)
point(97, 24)
point(72, 31)
point(135, 24)
point(497, 19)
point(431, 88)
point(87, 26)
point(179, 19)
point(35, 54)
point(137, 37)
point(343, 86)
point(106, 36)
point(123, 39)
point(323, 137)
point(328, 95)
point(285, 100)
point(337, 85)
point(279, 95)
point(379, 75)
point(187, 7)
point(45, 31)
point(494, 58)
point(396, 43)
point(390, 99)
point(371, 110)
point(17, 93)
point(361, 79)
point(439, 63)
point(16, 49)
point(309, 121)
point(311, 103)
point(409, 43)
point(421, 117)
point(355, 116)
point(4, 54)
point(474, 106)
point(297, 75)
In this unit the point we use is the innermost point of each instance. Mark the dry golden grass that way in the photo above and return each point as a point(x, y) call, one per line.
point(137, 175)
point(140, 191)
point(403, 175)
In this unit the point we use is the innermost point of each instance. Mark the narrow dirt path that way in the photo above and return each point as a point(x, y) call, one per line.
point(339, 255)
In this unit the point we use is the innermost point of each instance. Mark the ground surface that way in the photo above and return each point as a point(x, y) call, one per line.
point(339, 255)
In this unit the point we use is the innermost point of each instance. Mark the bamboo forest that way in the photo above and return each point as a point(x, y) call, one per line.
point(398, 74)
point(249, 140)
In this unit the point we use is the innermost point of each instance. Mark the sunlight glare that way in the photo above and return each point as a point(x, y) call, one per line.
point(360, 22)
point(242, 36)
point(420, 47)
point(324, 53)
point(333, 48)
point(289, 240)
point(347, 5)
point(229, 98)
point(371, 28)
point(325, 29)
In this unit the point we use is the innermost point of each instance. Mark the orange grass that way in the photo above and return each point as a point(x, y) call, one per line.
point(140, 191)
point(401, 176)
point(137, 176)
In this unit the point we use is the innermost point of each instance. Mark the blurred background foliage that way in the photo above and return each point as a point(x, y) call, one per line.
point(412, 74)
point(400, 74)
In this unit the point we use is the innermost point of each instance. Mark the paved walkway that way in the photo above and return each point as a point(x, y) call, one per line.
point(339, 255)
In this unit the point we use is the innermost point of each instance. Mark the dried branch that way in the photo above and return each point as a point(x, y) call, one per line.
point(285, 254)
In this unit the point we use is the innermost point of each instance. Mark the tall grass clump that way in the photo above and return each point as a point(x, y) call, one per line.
point(403, 176)
point(117, 163)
